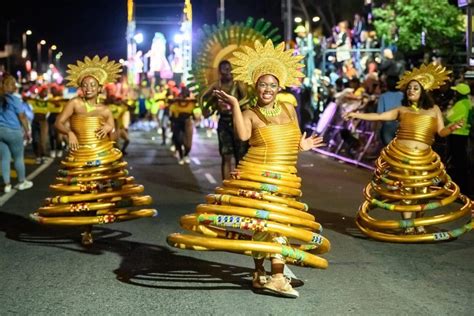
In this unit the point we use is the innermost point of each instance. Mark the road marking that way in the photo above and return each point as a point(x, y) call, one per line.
point(28, 161)
point(4, 198)
point(210, 178)
point(288, 272)
point(196, 161)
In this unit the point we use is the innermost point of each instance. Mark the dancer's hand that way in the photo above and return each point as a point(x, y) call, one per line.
point(103, 131)
point(72, 141)
point(311, 142)
point(348, 116)
point(456, 125)
point(223, 97)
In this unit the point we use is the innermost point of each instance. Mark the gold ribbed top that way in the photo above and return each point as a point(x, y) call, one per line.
point(274, 144)
point(418, 127)
point(85, 128)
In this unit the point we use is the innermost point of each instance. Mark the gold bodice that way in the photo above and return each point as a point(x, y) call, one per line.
point(418, 127)
point(85, 128)
point(274, 144)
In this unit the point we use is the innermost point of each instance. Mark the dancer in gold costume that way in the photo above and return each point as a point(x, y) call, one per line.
point(212, 70)
point(93, 184)
point(410, 178)
point(261, 197)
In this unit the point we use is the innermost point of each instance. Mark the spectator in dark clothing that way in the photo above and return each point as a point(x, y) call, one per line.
point(389, 66)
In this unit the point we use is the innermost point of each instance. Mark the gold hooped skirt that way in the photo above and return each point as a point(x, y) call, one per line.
point(416, 182)
point(260, 199)
point(93, 185)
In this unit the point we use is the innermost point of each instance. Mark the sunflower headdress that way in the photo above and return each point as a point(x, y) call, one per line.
point(218, 43)
point(266, 59)
point(431, 77)
point(103, 70)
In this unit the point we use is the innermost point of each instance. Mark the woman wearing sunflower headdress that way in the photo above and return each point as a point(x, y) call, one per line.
point(410, 178)
point(93, 183)
point(261, 197)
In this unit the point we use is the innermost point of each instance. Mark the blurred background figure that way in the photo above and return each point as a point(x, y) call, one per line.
point(388, 100)
point(13, 127)
point(458, 140)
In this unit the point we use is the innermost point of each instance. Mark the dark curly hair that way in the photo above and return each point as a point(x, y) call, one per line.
point(426, 101)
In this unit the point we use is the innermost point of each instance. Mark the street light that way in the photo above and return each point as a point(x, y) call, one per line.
point(24, 51)
point(138, 38)
point(50, 53)
point(298, 19)
point(316, 19)
point(38, 48)
point(58, 58)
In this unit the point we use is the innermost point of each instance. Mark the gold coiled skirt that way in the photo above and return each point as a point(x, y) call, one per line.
point(93, 185)
point(415, 181)
point(257, 211)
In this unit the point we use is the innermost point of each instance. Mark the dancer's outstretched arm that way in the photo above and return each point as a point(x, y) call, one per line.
point(242, 122)
point(385, 116)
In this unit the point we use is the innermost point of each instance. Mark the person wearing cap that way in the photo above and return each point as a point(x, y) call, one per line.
point(458, 140)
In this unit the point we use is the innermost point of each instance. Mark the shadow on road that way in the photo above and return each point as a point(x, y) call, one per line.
point(22, 229)
point(142, 264)
point(159, 267)
point(337, 222)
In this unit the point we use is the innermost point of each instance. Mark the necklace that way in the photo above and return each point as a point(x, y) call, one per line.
point(415, 107)
point(274, 111)
point(89, 107)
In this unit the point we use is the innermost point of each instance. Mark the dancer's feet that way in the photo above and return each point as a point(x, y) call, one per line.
point(420, 230)
point(259, 279)
point(280, 285)
point(409, 231)
point(87, 239)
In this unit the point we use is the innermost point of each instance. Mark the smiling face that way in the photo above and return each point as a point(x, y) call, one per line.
point(413, 91)
point(267, 88)
point(90, 87)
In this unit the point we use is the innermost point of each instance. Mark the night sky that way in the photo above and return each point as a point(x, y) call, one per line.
point(89, 27)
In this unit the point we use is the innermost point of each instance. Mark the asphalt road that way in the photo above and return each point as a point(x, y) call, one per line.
point(131, 270)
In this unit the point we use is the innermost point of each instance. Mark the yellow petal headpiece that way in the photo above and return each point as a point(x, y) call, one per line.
point(103, 70)
point(430, 76)
point(251, 64)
